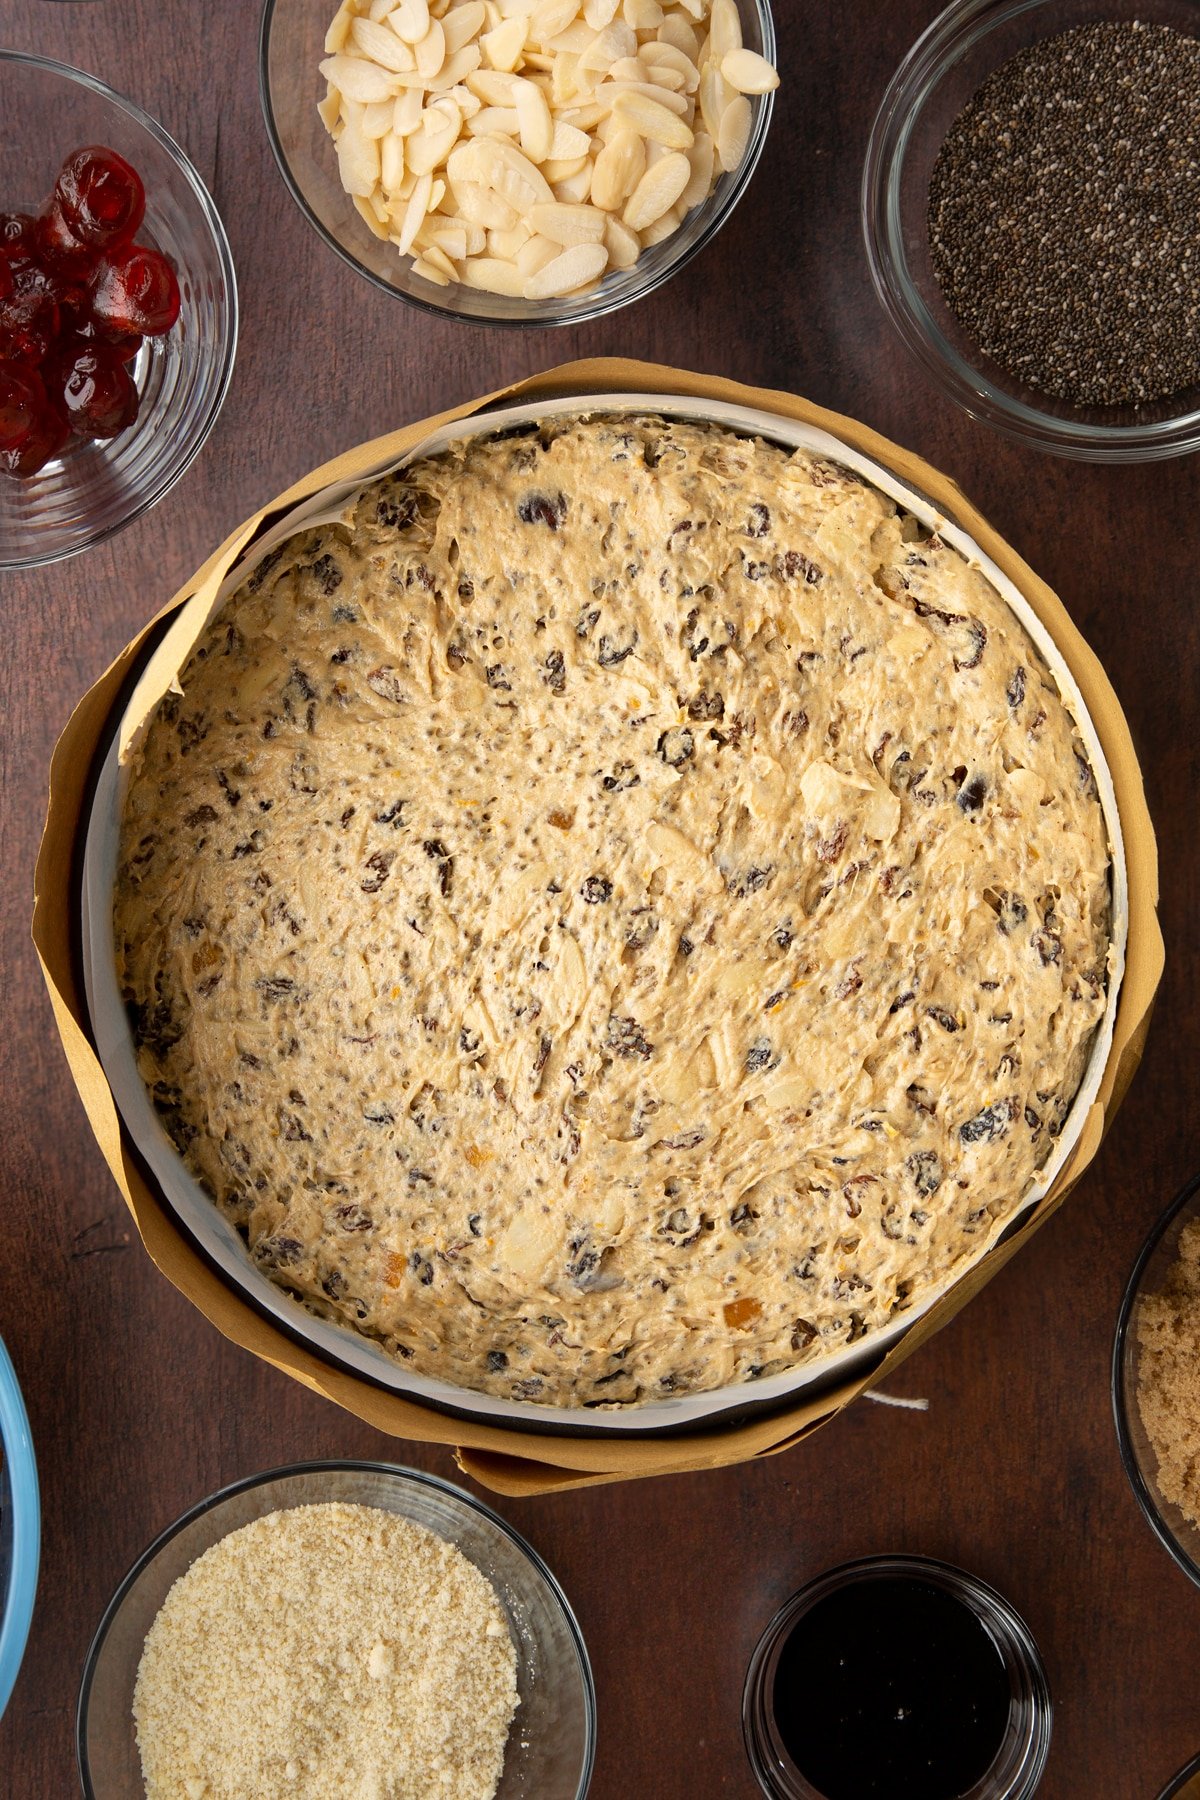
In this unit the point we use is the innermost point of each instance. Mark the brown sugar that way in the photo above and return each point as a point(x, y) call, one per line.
point(1168, 1388)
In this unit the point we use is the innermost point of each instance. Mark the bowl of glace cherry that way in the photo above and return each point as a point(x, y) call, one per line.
point(118, 313)
point(77, 298)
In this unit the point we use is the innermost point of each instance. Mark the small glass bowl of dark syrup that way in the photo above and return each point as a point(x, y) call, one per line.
point(897, 1678)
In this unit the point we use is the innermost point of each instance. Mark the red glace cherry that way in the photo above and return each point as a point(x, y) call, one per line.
point(44, 441)
point(57, 248)
point(135, 291)
point(78, 297)
point(90, 386)
point(101, 197)
point(22, 402)
point(29, 315)
point(16, 233)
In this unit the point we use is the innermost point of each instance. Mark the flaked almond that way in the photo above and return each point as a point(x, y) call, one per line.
point(619, 167)
point(550, 18)
point(623, 246)
point(675, 29)
point(380, 45)
point(507, 245)
point(481, 206)
point(642, 15)
point(430, 53)
point(463, 23)
point(533, 117)
point(410, 20)
point(535, 254)
point(358, 161)
point(734, 132)
point(376, 119)
point(556, 172)
point(391, 172)
point(357, 79)
point(657, 191)
point(494, 121)
point(662, 57)
point(573, 269)
point(503, 46)
point(568, 225)
point(407, 111)
point(702, 157)
point(494, 276)
point(652, 120)
point(748, 72)
point(414, 212)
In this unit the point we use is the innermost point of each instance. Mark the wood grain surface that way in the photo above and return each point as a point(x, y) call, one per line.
point(139, 1408)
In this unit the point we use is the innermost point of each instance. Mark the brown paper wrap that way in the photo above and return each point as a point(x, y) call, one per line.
point(507, 1459)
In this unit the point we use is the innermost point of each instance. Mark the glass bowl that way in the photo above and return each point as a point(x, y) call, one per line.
point(20, 1528)
point(551, 1746)
point(291, 46)
point(1021, 1758)
point(1158, 1253)
point(94, 489)
point(941, 72)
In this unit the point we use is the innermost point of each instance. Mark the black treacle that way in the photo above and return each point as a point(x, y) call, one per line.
point(891, 1687)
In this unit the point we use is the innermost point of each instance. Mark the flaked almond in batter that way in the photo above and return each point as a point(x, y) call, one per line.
point(624, 912)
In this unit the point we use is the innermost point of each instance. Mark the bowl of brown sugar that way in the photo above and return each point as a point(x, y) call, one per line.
point(1031, 209)
point(1156, 1379)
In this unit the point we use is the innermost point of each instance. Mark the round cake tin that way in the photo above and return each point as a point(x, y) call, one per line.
point(1021, 1758)
point(552, 1741)
point(940, 74)
point(219, 1242)
point(95, 489)
point(1185, 1785)
point(20, 1527)
point(1176, 1533)
point(291, 48)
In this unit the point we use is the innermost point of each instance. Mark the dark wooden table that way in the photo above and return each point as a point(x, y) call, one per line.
point(139, 1408)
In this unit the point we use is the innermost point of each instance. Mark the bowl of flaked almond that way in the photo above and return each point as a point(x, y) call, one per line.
point(338, 1631)
point(517, 162)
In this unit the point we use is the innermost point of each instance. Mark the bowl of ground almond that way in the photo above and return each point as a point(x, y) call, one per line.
point(338, 1631)
point(1156, 1379)
point(1031, 209)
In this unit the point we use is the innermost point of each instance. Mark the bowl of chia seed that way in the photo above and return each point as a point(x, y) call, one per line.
point(1031, 210)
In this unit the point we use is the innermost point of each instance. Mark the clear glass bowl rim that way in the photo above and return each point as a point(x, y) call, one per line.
point(580, 312)
point(212, 218)
point(963, 24)
point(325, 1466)
point(1121, 1401)
point(985, 1601)
point(17, 1442)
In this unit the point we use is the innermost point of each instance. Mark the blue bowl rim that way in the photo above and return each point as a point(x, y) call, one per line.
point(595, 306)
point(26, 1526)
point(337, 1465)
point(216, 227)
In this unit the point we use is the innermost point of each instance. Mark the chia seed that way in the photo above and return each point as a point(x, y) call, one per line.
point(1064, 215)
